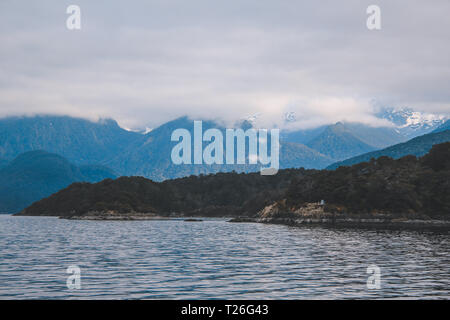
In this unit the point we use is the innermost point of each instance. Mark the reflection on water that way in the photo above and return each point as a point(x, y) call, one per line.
point(215, 259)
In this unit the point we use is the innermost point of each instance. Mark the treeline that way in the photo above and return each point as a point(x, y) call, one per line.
point(404, 186)
point(221, 194)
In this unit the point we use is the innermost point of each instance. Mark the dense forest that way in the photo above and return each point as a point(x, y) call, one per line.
point(407, 185)
point(404, 186)
point(221, 194)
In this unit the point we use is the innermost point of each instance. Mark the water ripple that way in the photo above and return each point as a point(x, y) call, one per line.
point(215, 259)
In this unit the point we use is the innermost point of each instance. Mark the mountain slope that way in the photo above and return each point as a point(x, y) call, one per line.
point(417, 147)
point(338, 142)
point(152, 157)
point(296, 155)
point(443, 127)
point(377, 137)
point(302, 136)
point(3, 163)
point(37, 174)
point(80, 141)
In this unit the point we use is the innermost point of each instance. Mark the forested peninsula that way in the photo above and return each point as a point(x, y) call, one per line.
point(408, 189)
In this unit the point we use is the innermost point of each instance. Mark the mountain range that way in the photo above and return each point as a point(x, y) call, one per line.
point(80, 141)
point(405, 125)
point(151, 156)
point(131, 153)
point(127, 153)
point(79, 150)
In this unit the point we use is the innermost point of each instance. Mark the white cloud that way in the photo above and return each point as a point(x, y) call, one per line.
point(151, 61)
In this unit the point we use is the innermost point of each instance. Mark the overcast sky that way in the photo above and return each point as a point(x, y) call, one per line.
point(147, 62)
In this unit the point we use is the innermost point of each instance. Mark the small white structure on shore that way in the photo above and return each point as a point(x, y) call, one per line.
point(322, 202)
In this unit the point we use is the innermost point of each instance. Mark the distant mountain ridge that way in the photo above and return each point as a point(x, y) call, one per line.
point(405, 125)
point(79, 140)
point(128, 153)
point(152, 157)
point(338, 142)
point(411, 123)
point(132, 153)
point(377, 137)
point(418, 146)
point(37, 174)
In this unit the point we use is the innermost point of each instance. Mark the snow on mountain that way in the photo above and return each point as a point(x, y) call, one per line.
point(412, 123)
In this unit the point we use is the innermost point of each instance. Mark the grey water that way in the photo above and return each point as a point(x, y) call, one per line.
point(215, 259)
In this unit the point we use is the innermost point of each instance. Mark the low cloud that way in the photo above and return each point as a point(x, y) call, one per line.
point(152, 61)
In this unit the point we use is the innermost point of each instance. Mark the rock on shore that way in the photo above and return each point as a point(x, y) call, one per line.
point(311, 214)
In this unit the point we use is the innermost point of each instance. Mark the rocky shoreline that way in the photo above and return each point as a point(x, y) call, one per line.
point(314, 214)
point(380, 224)
point(123, 217)
point(114, 216)
point(309, 214)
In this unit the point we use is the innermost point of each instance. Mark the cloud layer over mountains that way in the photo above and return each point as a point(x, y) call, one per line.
point(147, 62)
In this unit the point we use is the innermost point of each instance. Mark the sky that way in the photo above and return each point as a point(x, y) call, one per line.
point(143, 63)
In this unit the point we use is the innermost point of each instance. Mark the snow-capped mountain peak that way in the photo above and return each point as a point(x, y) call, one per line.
point(412, 123)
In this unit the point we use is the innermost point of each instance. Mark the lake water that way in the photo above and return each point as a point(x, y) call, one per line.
point(215, 259)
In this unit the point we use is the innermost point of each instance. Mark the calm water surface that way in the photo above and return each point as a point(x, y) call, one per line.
point(214, 259)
